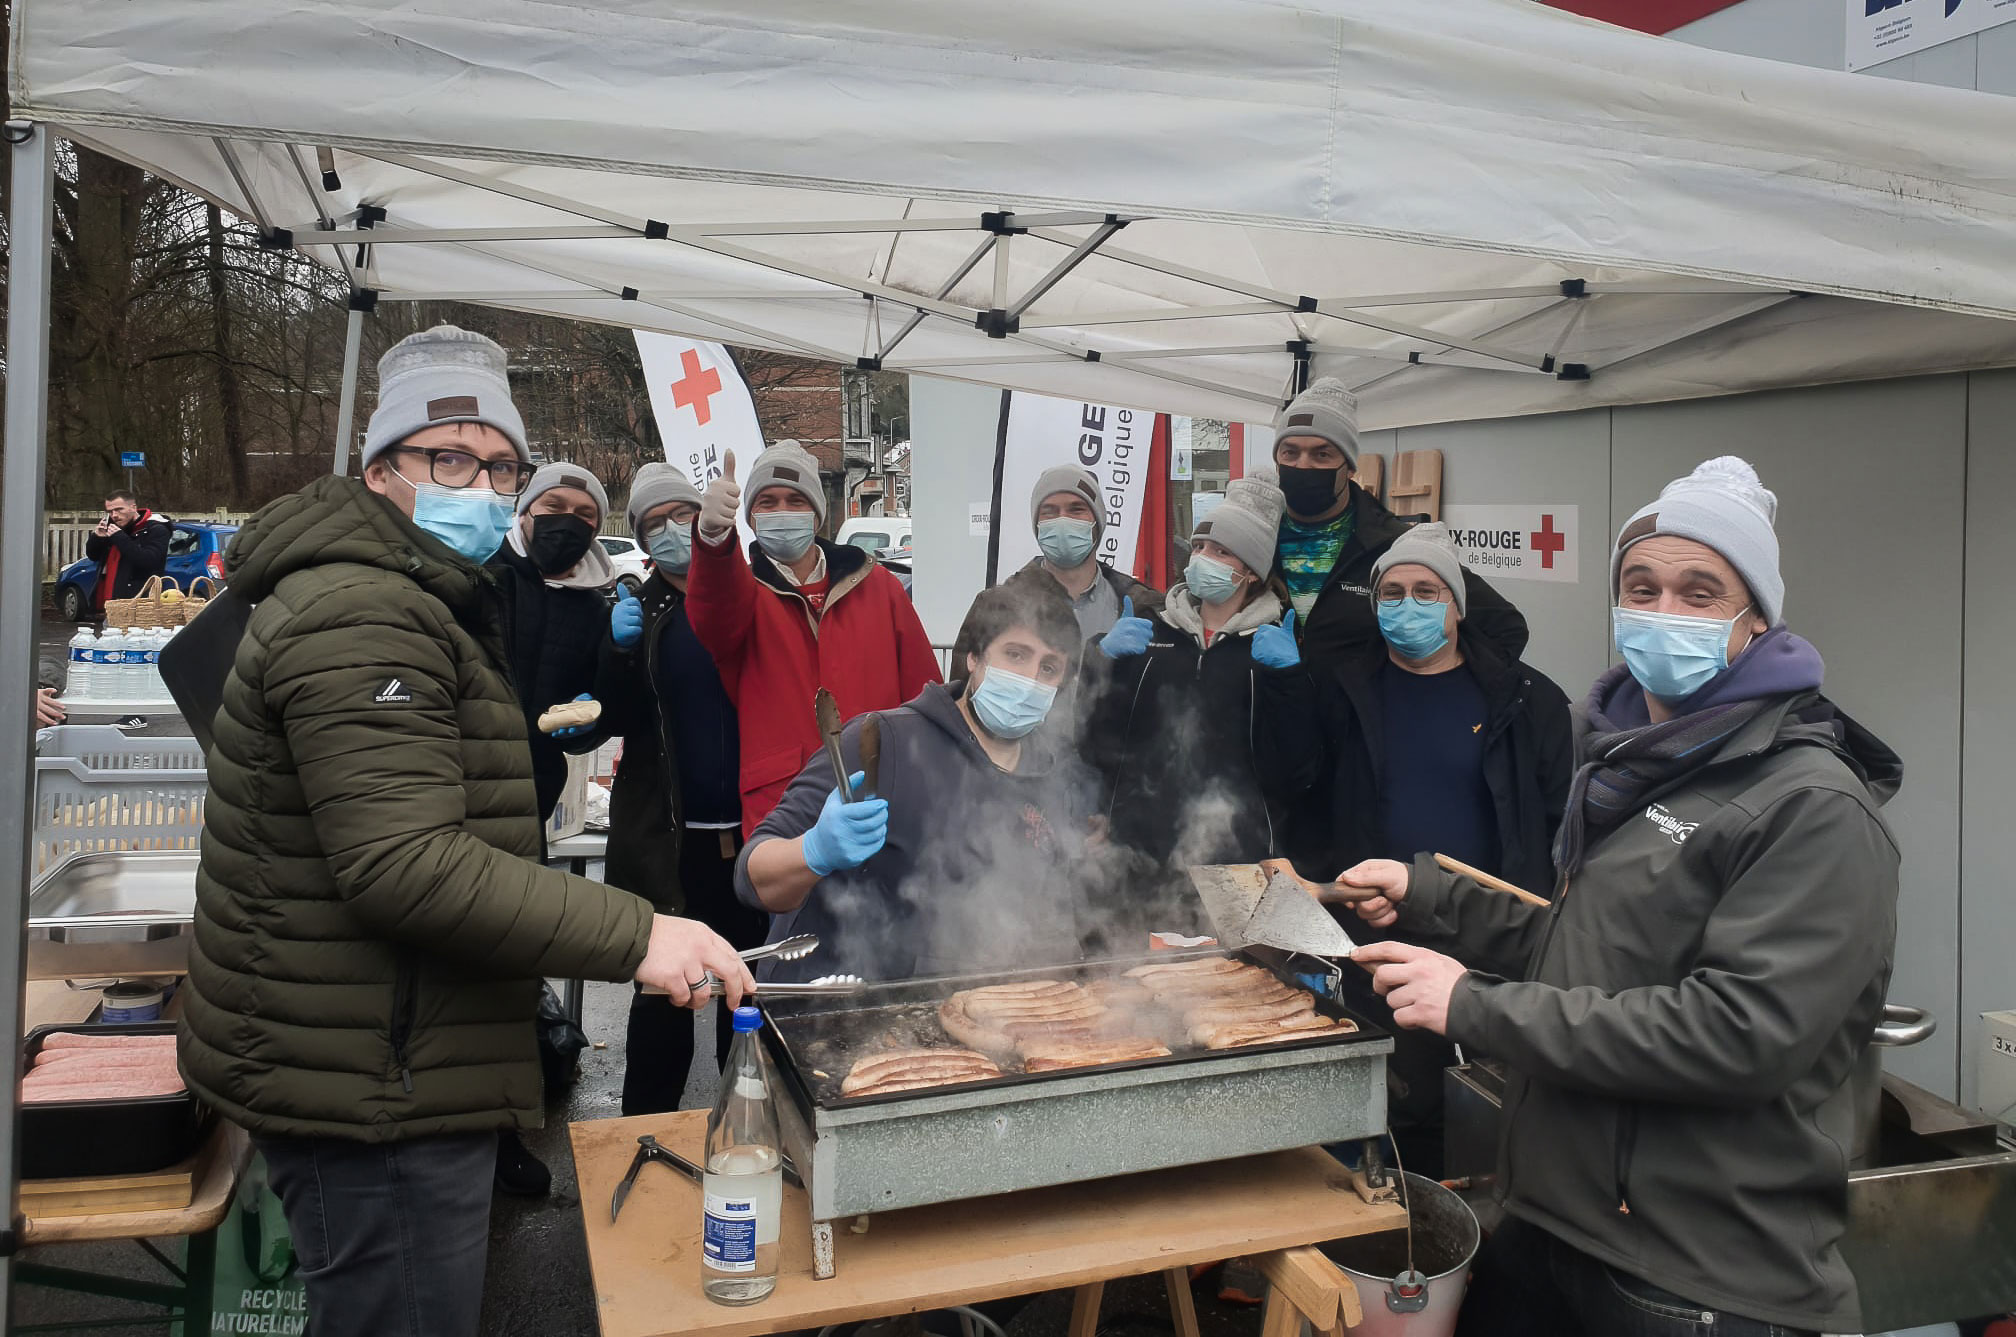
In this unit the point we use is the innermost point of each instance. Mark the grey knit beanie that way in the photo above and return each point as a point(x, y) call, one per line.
point(445, 374)
point(655, 485)
point(1428, 544)
point(1724, 505)
point(1246, 522)
point(786, 464)
point(1327, 409)
point(558, 474)
point(1069, 478)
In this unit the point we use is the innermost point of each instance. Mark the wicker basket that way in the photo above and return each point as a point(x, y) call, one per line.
point(152, 608)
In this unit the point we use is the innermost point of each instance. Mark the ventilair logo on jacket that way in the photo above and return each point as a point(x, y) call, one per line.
point(393, 693)
point(1671, 825)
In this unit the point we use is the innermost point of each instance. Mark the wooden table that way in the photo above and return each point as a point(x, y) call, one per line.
point(226, 1155)
point(646, 1266)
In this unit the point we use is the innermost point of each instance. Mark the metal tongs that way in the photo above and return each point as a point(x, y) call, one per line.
point(649, 1148)
point(792, 949)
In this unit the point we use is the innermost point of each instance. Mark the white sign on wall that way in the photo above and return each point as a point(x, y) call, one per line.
point(1039, 433)
point(1182, 449)
point(703, 408)
point(1880, 30)
point(1516, 542)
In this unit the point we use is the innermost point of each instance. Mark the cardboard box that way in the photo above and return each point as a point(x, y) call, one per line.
point(570, 814)
point(1998, 1066)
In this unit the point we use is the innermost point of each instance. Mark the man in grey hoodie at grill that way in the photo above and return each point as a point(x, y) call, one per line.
point(1682, 1025)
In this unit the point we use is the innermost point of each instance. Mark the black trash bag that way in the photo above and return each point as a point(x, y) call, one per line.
point(561, 1040)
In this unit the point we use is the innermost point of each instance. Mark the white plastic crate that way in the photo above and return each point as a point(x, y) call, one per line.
point(97, 789)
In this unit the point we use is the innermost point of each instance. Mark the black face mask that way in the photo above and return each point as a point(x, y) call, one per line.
point(558, 543)
point(1309, 491)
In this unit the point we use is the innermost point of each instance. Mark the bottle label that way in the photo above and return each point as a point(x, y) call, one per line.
point(79, 655)
point(728, 1238)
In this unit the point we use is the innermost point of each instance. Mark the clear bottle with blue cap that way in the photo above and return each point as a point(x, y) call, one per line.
point(744, 1190)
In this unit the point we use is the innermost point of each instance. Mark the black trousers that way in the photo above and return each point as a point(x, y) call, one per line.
point(392, 1236)
point(1527, 1283)
point(659, 1040)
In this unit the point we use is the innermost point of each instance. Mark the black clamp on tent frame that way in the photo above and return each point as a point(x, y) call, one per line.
point(1299, 350)
point(1002, 224)
point(655, 230)
point(997, 323)
point(364, 299)
point(276, 239)
point(628, 294)
point(867, 364)
point(1574, 287)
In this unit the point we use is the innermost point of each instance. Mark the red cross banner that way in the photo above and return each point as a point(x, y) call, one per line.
point(1516, 542)
point(702, 405)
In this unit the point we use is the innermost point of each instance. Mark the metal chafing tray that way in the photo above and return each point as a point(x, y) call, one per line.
point(1030, 1130)
point(113, 913)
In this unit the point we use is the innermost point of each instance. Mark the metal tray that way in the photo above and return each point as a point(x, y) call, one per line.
point(70, 1139)
point(816, 1040)
point(113, 913)
point(1030, 1130)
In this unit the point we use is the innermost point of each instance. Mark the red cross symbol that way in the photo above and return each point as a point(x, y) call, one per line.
point(699, 385)
point(1547, 541)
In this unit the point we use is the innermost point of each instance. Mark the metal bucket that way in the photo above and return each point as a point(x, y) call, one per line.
point(1899, 1026)
point(1422, 1303)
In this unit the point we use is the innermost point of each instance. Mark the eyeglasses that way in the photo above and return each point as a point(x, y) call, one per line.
point(1427, 594)
point(458, 468)
point(653, 528)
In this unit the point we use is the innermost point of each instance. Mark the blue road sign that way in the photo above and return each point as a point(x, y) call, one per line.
point(132, 459)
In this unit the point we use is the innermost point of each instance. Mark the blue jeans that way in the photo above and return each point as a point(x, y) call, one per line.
point(391, 1236)
point(1527, 1283)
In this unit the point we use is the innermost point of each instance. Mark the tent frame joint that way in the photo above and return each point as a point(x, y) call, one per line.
point(997, 323)
point(364, 299)
point(276, 239)
point(1572, 371)
point(1575, 287)
point(1001, 222)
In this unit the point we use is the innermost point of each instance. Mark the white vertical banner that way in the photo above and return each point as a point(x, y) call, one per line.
point(1039, 433)
point(1880, 30)
point(703, 408)
point(1254, 448)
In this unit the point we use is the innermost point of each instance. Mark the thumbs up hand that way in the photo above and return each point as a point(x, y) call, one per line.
point(721, 501)
point(1130, 635)
point(1274, 647)
point(626, 620)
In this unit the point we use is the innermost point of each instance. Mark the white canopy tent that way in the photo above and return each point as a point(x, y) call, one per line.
point(1182, 204)
point(1476, 208)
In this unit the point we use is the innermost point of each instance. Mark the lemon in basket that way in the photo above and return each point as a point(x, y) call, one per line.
point(171, 596)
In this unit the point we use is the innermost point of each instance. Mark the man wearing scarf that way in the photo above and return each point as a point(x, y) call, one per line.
point(130, 545)
point(1682, 1025)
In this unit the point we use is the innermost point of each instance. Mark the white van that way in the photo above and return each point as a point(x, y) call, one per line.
point(873, 533)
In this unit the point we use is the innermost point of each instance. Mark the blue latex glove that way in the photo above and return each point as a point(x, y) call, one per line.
point(847, 834)
point(626, 620)
point(1129, 635)
point(574, 730)
point(1274, 647)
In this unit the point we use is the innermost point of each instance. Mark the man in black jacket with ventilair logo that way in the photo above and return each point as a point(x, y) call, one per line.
point(1682, 1025)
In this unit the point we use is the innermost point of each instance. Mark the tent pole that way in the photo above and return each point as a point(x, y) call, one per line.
point(353, 347)
point(30, 219)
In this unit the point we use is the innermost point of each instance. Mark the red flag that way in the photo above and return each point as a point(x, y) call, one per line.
point(1151, 550)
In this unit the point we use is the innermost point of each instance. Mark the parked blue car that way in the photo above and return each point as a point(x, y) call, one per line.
point(194, 549)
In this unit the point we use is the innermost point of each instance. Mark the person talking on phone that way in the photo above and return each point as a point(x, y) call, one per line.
point(130, 545)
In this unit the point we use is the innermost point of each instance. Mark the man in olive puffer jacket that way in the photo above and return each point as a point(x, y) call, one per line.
point(372, 921)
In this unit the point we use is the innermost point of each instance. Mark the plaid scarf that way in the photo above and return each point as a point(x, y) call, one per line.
point(1627, 764)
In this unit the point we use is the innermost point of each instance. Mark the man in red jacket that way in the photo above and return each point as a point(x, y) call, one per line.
point(799, 614)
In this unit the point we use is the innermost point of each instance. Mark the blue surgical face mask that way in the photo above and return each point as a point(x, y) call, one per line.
point(785, 535)
point(471, 520)
point(1414, 627)
point(1672, 655)
point(1009, 705)
point(1210, 579)
point(672, 548)
point(1066, 542)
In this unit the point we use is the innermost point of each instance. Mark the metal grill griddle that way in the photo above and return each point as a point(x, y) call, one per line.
point(1030, 1130)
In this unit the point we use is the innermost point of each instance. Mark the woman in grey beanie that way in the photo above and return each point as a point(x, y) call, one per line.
point(1202, 720)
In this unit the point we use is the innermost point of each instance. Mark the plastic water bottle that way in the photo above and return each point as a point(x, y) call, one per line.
point(744, 1193)
point(110, 680)
point(151, 642)
point(81, 682)
point(134, 658)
